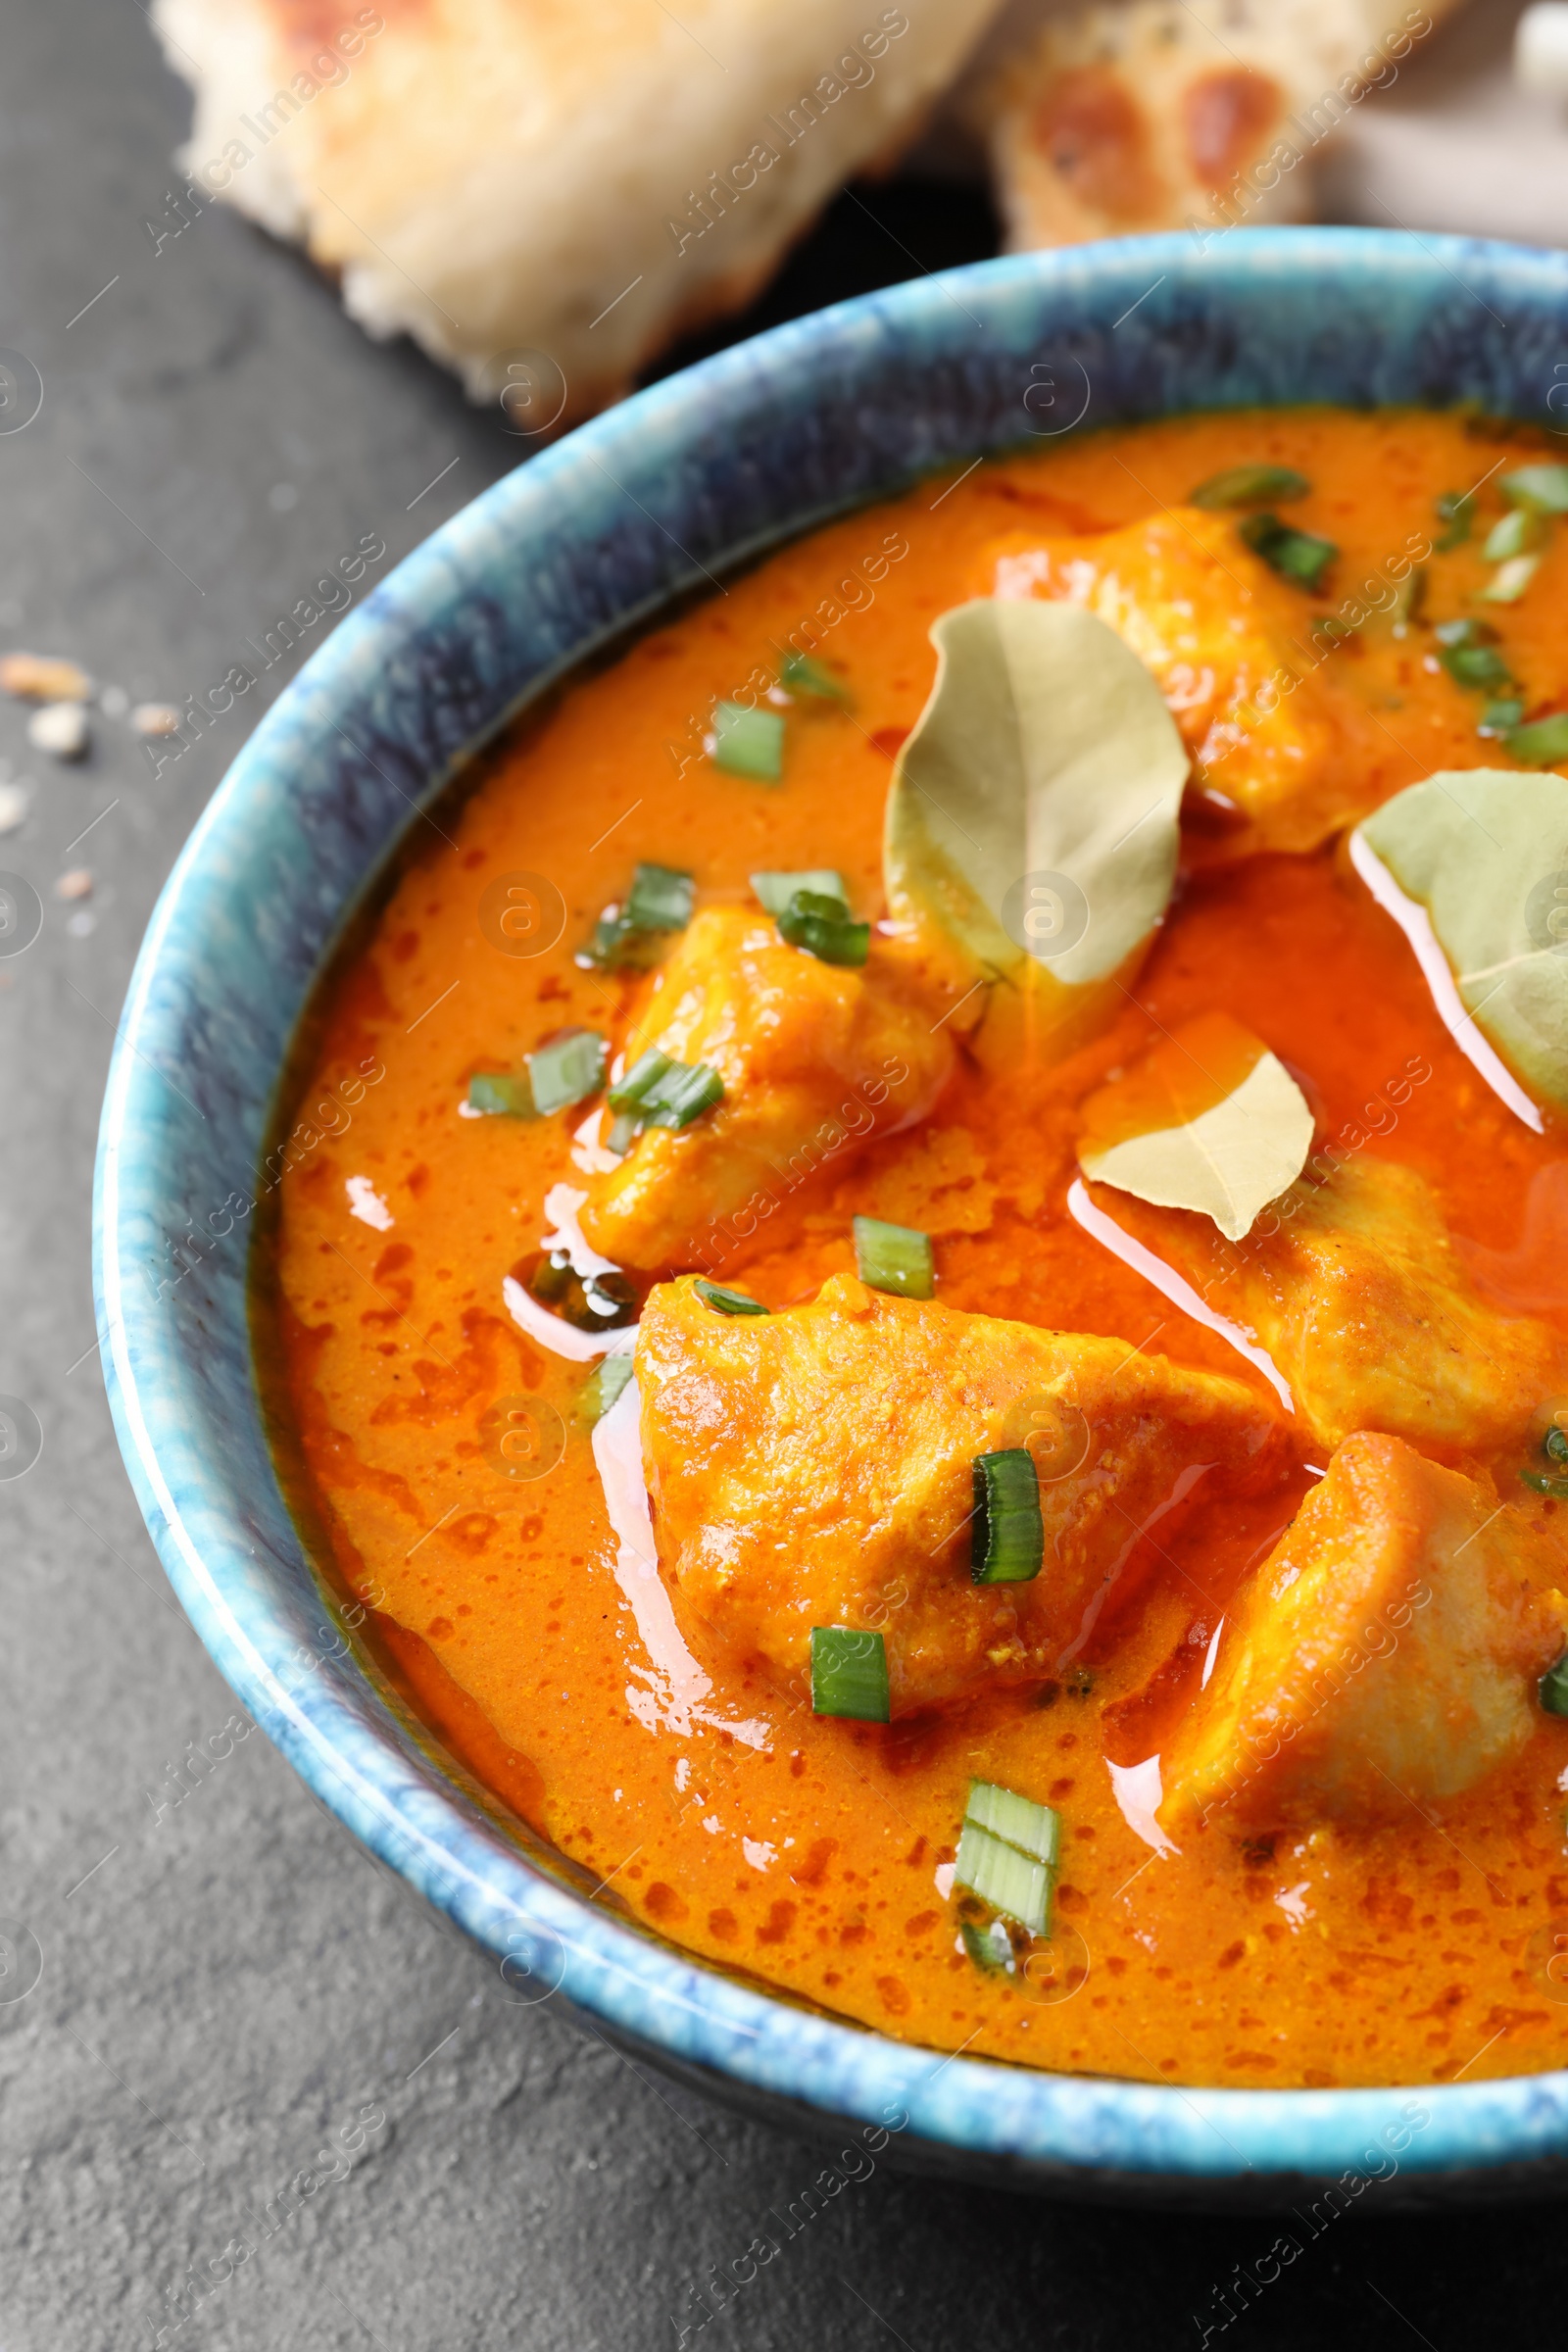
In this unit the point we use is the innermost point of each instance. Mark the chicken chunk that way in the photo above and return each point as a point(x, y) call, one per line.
point(815, 1058)
point(1385, 1653)
point(1230, 646)
point(1356, 1290)
point(814, 1468)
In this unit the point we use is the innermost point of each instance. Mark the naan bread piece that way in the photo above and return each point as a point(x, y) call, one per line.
point(563, 183)
point(1356, 1290)
point(1222, 635)
point(816, 1468)
point(1159, 113)
point(1384, 1655)
point(815, 1058)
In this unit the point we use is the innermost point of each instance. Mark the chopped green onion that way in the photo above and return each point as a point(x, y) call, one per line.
point(1011, 1883)
point(1470, 664)
point(623, 1131)
point(617, 945)
point(748, 743)
point(990, 1948)
point(727, 1303)
point(1466, 631)
point(662, 1093)
point(588, 1301)
point(821, 927)
point(511, 1096)
point(1553, 1687)
point(1498, 717)
point(894, 1258)
point(1410, 596)
point(849, 1674)
point(629, 1090)
point(799, 675)
point(603, 1386)
point(1554, 1445)
point(569, 1071)
point(1557, 1487)
point(1518, 531)
point(776, 890)
point(1544, 743)
point(1007, 1545)
point(1510, 580)
point(1296, 556)
point(1456, 508)
point(661, 898)
point(629, 937)
point(1545, 488)
point(1250, 486)
point(1033, 1828)
point(682, 1095)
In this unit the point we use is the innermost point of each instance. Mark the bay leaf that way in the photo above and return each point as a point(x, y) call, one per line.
point(1483, 852)
point(1211, 1120)
point(1031, 833)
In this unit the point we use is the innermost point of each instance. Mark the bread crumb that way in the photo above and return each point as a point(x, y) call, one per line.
point(40, 678)
point(59, 728)
point(155, 718)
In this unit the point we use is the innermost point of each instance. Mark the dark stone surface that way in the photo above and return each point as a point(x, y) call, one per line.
point(226, 1986)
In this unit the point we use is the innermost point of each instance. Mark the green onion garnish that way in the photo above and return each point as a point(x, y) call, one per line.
point(894, 1258)
point(602, 1388)
point(823, 927)
point(1510, 580)
point(662, 1093)
point(1545, 488)
point(1456, 508)
point(990, 1948)
point(849, 1674)
point(567, 1070)
point(623, 1132)
point(726, 1303)
point(1035, 1830)
point(1557, 1487)
point(1468, 631)
point(1496, 718)
point(1295, 555)
point(630, 937)
point(1007, 1543)
point(1553, 1687)
point(1518, 531)
point(1410, 596)
point(748, 743)
point(1249, 487)
point(617, 946)
point(1470, 664)
point(588, 1301)
point(511, 1095)
point(1010, 1881)
point(776, 890)
point(1542, 744)
point(799, 675)
point(661, 898)
point(1554, 1445)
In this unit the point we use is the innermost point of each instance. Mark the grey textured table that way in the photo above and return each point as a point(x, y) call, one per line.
point(226, 1986)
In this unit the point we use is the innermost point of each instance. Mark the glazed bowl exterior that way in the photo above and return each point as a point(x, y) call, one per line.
point(643, 506)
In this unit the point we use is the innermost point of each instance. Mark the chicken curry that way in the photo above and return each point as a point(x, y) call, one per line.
point(924, 1269)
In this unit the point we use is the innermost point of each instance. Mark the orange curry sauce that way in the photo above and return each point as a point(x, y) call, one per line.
point(812, 1861)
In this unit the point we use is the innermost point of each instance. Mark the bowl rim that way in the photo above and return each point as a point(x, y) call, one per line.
point(553, 1939)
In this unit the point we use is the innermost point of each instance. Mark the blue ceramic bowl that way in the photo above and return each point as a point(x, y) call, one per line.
point(592, 535)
